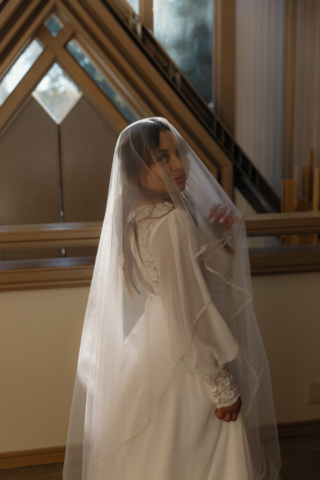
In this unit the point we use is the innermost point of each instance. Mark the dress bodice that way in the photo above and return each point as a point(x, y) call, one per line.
point(147, 217)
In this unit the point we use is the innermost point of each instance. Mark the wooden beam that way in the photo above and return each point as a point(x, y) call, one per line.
point(105, 64)
point(225, 58)
point(8, 11)
point(15, 102)
point(146, 13)
point(7, 59)
point(19, 23)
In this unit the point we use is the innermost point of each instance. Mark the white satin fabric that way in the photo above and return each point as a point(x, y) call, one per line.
point(185, 440)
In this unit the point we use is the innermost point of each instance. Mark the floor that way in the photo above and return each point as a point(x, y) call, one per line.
point(300, 461)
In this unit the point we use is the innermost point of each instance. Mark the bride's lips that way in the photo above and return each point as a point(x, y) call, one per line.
point(180, 179)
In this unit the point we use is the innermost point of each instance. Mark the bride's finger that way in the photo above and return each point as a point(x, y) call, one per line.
point(212, 210)
point(218, 213)
point(227, 417)
point(226, 216)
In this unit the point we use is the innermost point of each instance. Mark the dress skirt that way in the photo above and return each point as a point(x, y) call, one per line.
point(181, 438)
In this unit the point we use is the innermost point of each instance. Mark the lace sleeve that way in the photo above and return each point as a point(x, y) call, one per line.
point(221, 387)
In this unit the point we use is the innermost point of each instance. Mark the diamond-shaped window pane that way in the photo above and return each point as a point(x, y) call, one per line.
point(20, 68)
point(54, 25)
point(101, 81)
point(57, 93)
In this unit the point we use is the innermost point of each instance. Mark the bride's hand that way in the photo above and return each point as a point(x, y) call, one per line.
point(224, 215)
point(229, 413)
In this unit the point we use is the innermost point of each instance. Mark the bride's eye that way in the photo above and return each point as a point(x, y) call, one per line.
point(162, 158)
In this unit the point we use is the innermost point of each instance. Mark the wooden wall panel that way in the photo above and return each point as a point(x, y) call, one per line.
point(29, 175)
point(87, 147)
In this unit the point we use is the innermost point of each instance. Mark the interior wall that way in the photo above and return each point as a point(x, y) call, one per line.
point(260, 28)
point(40, 335)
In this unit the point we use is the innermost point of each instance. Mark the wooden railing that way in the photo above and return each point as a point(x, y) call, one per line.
point(77, 271)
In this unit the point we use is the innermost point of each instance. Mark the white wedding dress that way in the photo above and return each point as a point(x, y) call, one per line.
point(182, 438)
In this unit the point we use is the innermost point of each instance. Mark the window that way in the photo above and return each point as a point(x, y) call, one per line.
point(185, 30)
point(20, 68)
point(57, 93)
point(101, 81)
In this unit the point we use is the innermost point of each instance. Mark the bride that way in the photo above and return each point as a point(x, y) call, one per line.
point(173, 381)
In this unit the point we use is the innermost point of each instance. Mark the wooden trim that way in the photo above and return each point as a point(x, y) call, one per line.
point(47, 235)
point(53, 455)
point(289, 86)
point(88, 233)
point(46, 273)
point(225, 57)
point(19, 22)
point(285, 259)
point(16, 100)
point(216, 32)
point(28, 83)
point(146, 13)
point(28, 458)
point(105, 64)
point(78, 271)
point(8, 11)
point(285, 223)
point(21, 43)
point(80, 77)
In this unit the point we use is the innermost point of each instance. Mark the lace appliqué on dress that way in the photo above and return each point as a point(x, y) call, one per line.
point(222, 389)
point(145, 260)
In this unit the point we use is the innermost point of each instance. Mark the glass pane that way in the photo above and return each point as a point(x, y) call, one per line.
point(53, 25)
point(185, 30)
point(57, 94)
point(101, 81)
point(20, 68)
point(135, 5)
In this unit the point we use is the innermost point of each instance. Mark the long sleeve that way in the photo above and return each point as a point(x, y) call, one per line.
point(199, 337)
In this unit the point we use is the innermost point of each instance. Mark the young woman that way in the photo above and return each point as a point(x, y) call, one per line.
point(171, 363)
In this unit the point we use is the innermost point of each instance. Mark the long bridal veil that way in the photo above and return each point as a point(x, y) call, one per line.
point(99, 431)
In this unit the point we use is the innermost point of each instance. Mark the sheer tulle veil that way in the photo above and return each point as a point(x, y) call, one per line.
point(98, 433)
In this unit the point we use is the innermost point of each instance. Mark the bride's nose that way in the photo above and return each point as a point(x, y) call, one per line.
point(176, 164)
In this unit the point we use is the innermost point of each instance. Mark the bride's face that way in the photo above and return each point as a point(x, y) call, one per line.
point(168, 160)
